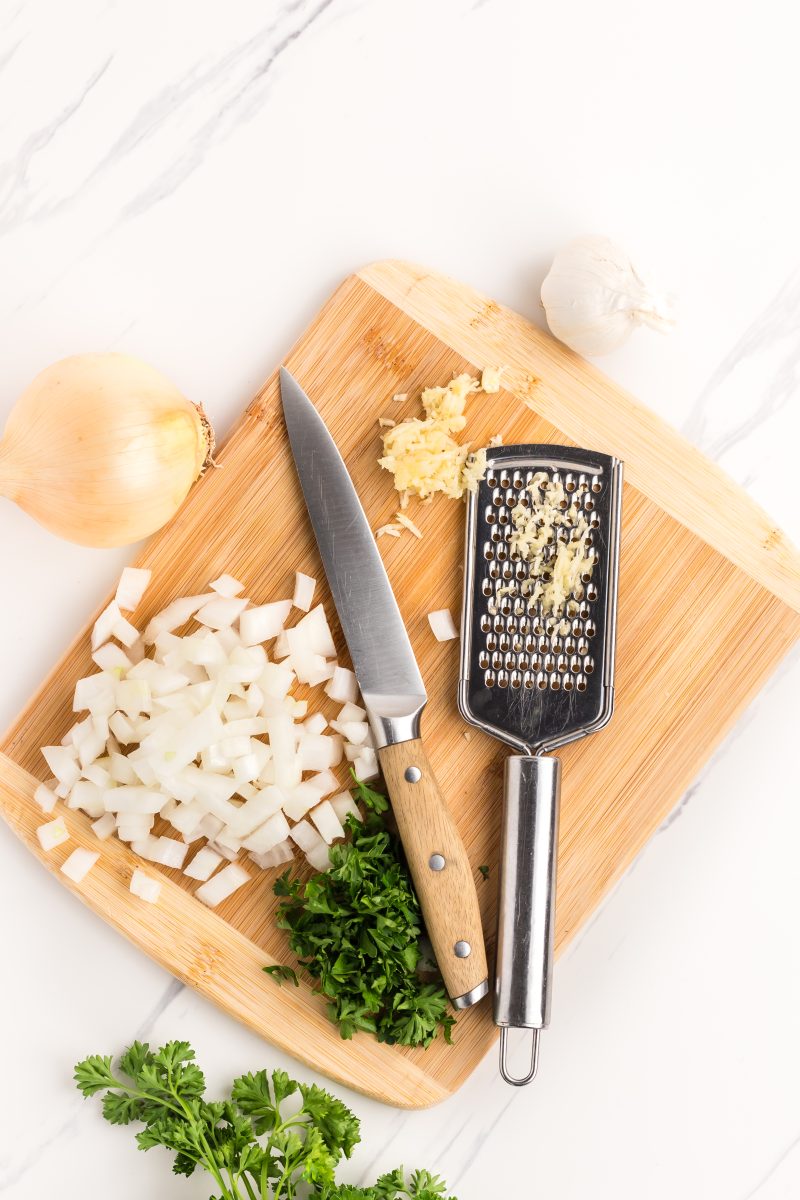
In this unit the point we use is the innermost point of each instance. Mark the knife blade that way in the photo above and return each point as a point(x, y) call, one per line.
point(394, 697)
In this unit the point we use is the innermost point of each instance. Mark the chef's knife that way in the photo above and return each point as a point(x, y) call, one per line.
point(394, 696)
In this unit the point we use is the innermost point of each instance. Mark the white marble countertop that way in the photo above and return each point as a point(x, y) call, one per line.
point(188, 182)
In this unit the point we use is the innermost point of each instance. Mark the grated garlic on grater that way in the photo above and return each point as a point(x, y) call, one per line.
point(551, 534)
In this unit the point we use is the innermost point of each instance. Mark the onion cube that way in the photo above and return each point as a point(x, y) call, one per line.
point(344, 806)
point(352, 712)
point(145, 846)
point(169, 852)
point(275, 681)
point(79, 864)
point(62, 762)
point(316, 723)
point(305, 836)
point(324, 781)
point(273, 831)
point(133, 697)
point(45, 798)
point(226, 585)
point(282, 853)
point(318, 751)
point(342, 686)
point(145, 887)
point(95, 693)
point(104, 625)
point(263, 622)
point(111, 657)
point(366, 765)
point(88, 797)
point(121, 728)
point(443, 625)
point(304, 587)
point(319, 857)
point(315, 633)
point(126, 633)
point(325, 818)
point(52, 834)
point(104, 827)
point(203, 865)
point(221, 612)
point(222, 885)
point(300, 800)
point(254, 812)
point(132, 586)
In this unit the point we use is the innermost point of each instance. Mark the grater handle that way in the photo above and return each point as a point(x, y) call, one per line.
point(526, 916)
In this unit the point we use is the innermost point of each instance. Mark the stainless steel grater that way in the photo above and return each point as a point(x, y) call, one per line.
point(532, 682)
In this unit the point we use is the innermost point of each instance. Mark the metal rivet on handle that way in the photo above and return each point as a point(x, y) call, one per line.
point(437, 862)
point(462, 949)
point(413, 774)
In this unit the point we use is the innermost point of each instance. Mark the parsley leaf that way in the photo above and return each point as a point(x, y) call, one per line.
point(165, 1091)
point(356, 930)
point(282, 974)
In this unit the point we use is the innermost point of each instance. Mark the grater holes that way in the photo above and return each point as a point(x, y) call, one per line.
point(488, 551)
point(494, 570)
point(516, 644)
point(596, 484)
point(483, 660)
point(516, 679)
point(491, 642)
point(491, 479)
point(541, 681)
point(583, 646)
point(527, 680)
point(489, 679)
point(502, 552)
point(581, 683)
point(499, 624)
point(491, 519)
point(505, 479)
point(503, 517)
point(591, 592)
point(497, 497)
point(505, 643)
point(505, 606)
point(568, 684)
point(502, 679)
point(590, 629)
point(486, 623)
point(576, 665)
point(496, 535)
point(570, 483)
point(588, 665)
point(555, 682)
point(486, 587)
point(588, 503)
point(497, 660)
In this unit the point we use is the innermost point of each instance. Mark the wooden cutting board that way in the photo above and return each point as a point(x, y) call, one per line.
point(709, 602)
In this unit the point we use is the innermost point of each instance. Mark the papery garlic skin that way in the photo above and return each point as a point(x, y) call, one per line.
point(594, 298)
point(102, 449)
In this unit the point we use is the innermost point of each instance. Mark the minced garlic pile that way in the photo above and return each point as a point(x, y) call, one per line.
point(421, 452)
point(552, 536)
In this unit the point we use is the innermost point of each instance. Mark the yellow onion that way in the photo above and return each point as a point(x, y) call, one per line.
point(102, 449)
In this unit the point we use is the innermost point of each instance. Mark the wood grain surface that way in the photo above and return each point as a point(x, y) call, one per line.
point(708, 605)
point(447, 895)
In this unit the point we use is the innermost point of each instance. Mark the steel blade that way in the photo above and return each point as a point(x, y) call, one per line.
point(376, 637)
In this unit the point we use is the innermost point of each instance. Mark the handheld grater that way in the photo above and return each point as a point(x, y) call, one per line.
point(536, 683)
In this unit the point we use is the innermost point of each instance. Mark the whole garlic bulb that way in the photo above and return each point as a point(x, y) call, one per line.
point(594, 297)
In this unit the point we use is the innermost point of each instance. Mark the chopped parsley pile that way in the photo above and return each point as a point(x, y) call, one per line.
point(255, 1146)
point(356, 930)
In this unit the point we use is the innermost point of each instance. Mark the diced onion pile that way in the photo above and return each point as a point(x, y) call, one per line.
point(194, 721)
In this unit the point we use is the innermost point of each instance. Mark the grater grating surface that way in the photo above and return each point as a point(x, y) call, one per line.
point(535, 681)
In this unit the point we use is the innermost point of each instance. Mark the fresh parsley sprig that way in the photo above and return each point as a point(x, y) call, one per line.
point(254, 1146)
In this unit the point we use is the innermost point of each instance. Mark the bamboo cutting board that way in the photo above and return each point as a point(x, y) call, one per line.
point(709, 602)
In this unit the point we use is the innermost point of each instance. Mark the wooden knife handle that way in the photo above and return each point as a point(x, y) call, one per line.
point(447, 895)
